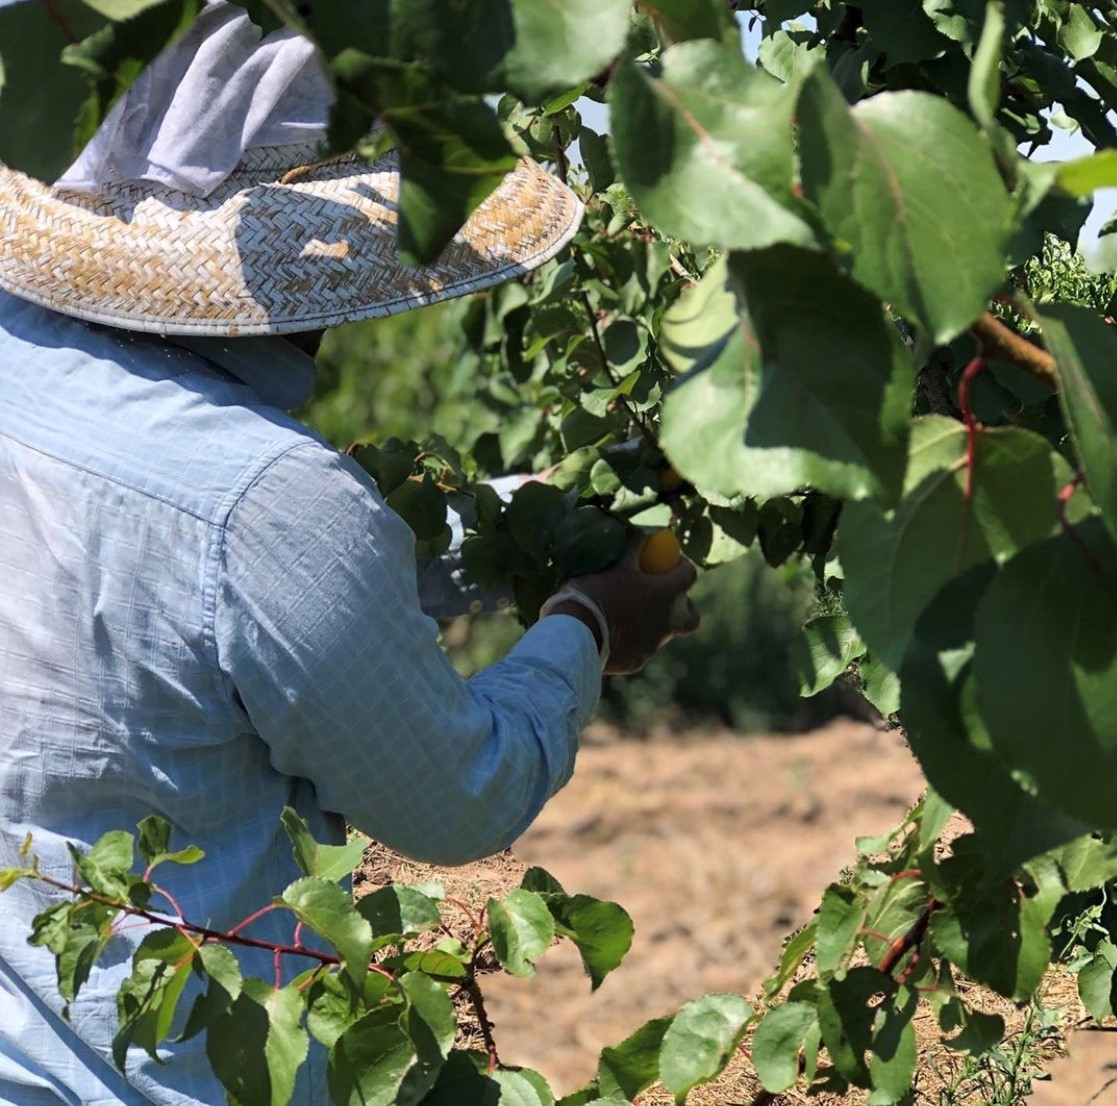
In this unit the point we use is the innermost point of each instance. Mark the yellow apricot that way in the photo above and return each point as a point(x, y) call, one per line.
point(669, 480)
point(660, 553)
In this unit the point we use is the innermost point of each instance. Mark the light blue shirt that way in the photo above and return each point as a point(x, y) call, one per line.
point(207, 613)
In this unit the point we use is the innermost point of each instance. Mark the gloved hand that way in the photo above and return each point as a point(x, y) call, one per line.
point(635, 613)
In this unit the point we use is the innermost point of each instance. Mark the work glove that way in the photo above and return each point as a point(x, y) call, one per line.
point(635, 613)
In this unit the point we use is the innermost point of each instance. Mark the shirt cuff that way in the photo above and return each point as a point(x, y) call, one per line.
point(563, 642)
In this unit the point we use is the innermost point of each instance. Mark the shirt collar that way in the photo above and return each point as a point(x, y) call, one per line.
point(280, 373)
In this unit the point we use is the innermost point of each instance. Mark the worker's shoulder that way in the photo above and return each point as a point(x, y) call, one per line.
point(139, 412)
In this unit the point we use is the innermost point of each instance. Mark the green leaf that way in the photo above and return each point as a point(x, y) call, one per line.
point(398, 911)
point(37, 115)
point(422, 505)
point(679, 20)
point(798, 947)
point(895, 563)
point(8, 876)
point(522, 930)
point(693, 331)
point(952, 747)
point(978, 1032)
point(627, 1069)
point(701, 1040)
point(992, 931)
point(541, 881)
point(1096, 981)
point(1045, 663)
point(107, 864)
point(601, 931)
point(534, 50)
point(148, 998)
point(328, 910)
point(1080, 36)
point(257, 1047)
point(833, 405)
point(818, 396)
point(704, 146)
point(1086, 863)
point(894, 1051)
point(155, 844)
point(840, 919)
point(535, 512)
point(218, 965)
point(902, 30)
point(846, 1015)
point(332, 862)
point(880, 685)
point(369, 1060)
point(778, 1042)
point(120, 10)
point(588, 540)
point(985, 75)
point(934, 245)
point(829, 644)
point(431, 1024)
point(1086, 349)
point(1085, 175)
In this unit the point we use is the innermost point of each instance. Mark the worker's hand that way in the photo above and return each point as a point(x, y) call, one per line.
point(642, 610)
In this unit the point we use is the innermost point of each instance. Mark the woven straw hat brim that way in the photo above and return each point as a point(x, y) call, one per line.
point(262, 254)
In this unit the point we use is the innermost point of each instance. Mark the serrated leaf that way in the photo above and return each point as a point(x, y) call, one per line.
point(369, 1060)
point(796, 950)
point(778, 1041)
point(700, 1041)
point(148, 998)
point(257, 1046)
point(704, 146)
point(1085, 349)
point(398, 911)
point(895, 563)
point(624, 1070)
point(522, 930)
point(332, 862)
point(107, 863)
point(223, 984)
point(1040, 617)
point(894, 1050)
point(422, 505)
point(328, 910)
point(601, 931)
point(935, 243)
point(1096, 982)
point(840, 918)
point(431, 1024)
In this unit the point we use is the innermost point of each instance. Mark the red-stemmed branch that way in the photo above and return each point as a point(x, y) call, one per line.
point(907, 942)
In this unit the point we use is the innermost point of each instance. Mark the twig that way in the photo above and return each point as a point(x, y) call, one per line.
point(910, 940)
point(632, 412)
point(998, 341)
point(205, 932)
point(679, 269)
point(471, 988)
point(560, 153)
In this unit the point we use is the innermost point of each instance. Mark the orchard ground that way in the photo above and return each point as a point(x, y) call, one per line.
point(719, 847)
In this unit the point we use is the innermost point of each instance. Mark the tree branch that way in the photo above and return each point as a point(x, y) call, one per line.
point(998, 341)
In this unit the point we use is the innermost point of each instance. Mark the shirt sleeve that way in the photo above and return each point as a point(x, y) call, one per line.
point(321, 638)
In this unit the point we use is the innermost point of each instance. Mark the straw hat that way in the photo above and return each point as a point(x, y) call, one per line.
point(284, 244)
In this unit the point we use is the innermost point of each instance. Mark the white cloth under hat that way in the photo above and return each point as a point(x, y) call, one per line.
point(218, 91)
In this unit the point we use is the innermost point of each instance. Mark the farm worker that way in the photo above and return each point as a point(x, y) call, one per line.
point(206, 612)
